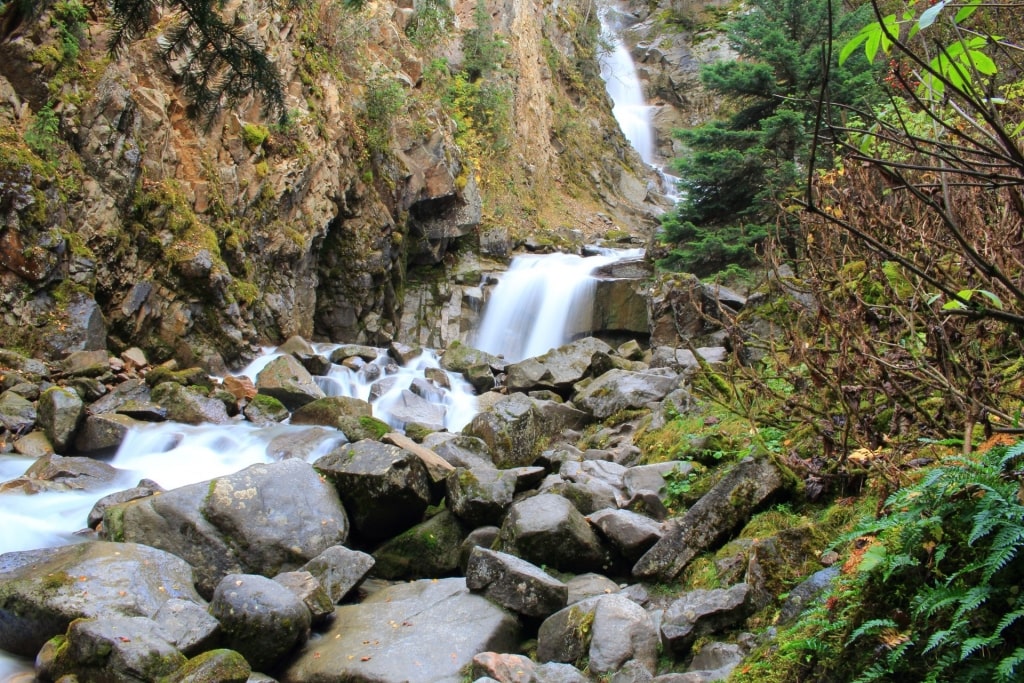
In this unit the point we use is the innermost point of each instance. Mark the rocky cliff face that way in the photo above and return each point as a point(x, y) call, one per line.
point(126, 222)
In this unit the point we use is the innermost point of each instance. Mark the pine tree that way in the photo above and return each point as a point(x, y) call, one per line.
point(738, 169)
point(222, 63)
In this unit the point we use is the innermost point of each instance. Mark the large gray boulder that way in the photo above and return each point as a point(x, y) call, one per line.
point(726, 507)
point(115, 648)
point(481, 497)
point(250, 522)
point(17, 414)
point(43, 591)
point(330, 411)
point(411, 408)
point(546, 529)
point(339, 570)
point(516, 427)
point(703, 612)
point(609, 630)
point(60, 413)
point(618, 390)
point(188, 405)
point(425, 551)
point(460, 450)
point(261, 619)
point(630, 533)
point(289, 382)
point(103, 432)
point(59, 473)
point(557, 369)
point(514, 583)
point(420, 632)
point(385, 489)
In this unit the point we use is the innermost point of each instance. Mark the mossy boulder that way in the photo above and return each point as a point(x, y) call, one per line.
point(60, 413)
point(427, 550)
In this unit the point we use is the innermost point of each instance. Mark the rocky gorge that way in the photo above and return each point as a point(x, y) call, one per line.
point(281, 317)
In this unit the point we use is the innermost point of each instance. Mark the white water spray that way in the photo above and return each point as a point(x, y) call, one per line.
point(623, 85)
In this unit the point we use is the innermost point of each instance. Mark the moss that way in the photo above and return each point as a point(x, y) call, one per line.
point(372, 424)
point(113, 523)
point(254, 135)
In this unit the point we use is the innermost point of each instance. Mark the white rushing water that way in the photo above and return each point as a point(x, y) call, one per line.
point(622, 82)
point(174, 454)
point(542, 302)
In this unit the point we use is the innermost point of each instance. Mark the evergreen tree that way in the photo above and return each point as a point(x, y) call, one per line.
point(738, 169)
point(222, 62)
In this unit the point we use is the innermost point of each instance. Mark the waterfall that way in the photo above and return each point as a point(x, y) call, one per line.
point(622, 83)
point(542, 302)
point(630, 107)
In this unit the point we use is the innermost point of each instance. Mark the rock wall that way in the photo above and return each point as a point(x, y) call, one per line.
point(127, 222)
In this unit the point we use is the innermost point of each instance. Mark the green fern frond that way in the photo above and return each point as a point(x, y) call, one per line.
point(1012, 453)
point(869, 628)
point(972, 645)
point(1007, 670)
point(1008, 619)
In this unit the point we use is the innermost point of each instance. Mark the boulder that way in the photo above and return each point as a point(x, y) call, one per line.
point(339, 570)
point(628, 532)
point(460, 450)
point(264, 410)
point(558, 369)
point(57, 472)
point(43, 591)
point(703, 612)
point(214, 666)
point(188, 405)
point(683, 361)
point(103, 432)
point(618, 390)
point(514, 584)
point(261, 619)
point(480, 497)
point(609, 630)
point(285, 379)
point(247, 522)
point(504, 668)
point(804, 595)
point(188, 625)
point(60, 413)
point(385, 489)
point(418, 632)
point(144, 489)
point(517, 426)
point(409, 408)
point(132, 390)
point(307, 588)
point(546, 529)
point(726, 507)
point(590, 585)
point(33, 445)
point(437, 467)
point(459, 358)
point(652, 477)
point(716, 661)
point(112, 648)
point(427, 550)
point(17, 414)
point(327, 411)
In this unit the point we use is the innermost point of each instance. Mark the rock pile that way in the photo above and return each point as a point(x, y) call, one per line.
point(384, 559)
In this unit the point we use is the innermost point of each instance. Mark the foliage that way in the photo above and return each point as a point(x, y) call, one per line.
point(69, 18)
point(431, 21)
point(44, 132)
point(940, 574)
point(482, 50)
point(222, 61)
point(385, 97)
point(738, 170)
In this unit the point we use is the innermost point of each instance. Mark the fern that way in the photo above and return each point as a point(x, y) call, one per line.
point(952, 562)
